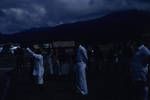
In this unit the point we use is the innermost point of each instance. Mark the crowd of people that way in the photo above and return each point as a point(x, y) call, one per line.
point(58, 63)
point(127, 62)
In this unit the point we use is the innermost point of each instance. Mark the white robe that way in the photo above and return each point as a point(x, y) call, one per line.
point(38, 69)
point(80, 70)
point(139, 68)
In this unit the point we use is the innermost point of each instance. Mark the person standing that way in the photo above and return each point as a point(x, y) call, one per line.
point(19, 54)
point(139, 72)
point(49, 61)
point(38, 69)
point(80, 69)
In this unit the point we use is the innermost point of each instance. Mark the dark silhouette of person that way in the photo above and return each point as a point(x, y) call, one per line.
point(19, 54)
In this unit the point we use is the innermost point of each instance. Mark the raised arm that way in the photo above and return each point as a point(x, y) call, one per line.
point(12, 49)
point(32, 53)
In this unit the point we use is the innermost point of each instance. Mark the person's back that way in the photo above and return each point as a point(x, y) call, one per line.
point(81, 54)
point(80, 70)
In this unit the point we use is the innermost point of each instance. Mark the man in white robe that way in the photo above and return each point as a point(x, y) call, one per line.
point(38, 70)
point(80, 70)
point(139, 71)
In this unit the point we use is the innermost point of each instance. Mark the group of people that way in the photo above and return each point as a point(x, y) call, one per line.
point(38, 68)
point(134, 61)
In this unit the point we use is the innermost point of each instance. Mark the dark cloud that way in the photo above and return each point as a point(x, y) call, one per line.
point(2, 14)
point(17, 15)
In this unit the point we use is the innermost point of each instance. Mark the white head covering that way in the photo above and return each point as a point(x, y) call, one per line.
point(144, 50)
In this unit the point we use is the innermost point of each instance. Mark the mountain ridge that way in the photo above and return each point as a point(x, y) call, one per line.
point(121, 24)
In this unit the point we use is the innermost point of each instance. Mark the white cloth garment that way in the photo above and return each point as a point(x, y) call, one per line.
point(80, 70)
point(139, 69)
point(82, 54)
point(38, 69)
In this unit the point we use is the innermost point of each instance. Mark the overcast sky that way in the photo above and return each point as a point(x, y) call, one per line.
point(17, 15)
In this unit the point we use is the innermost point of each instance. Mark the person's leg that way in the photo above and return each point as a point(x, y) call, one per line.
point(40, 76)
point(82, 83)
point(51, 68)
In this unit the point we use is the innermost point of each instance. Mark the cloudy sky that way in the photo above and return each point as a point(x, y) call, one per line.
point(17, 15)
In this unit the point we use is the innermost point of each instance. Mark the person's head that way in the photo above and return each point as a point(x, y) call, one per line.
point(23, 46)
point(77, 44)
point(80, 42)
point(140, 42)
point(36, 48)
point(38, 51)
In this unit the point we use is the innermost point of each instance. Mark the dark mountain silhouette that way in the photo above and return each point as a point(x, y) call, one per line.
point(117, 26)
